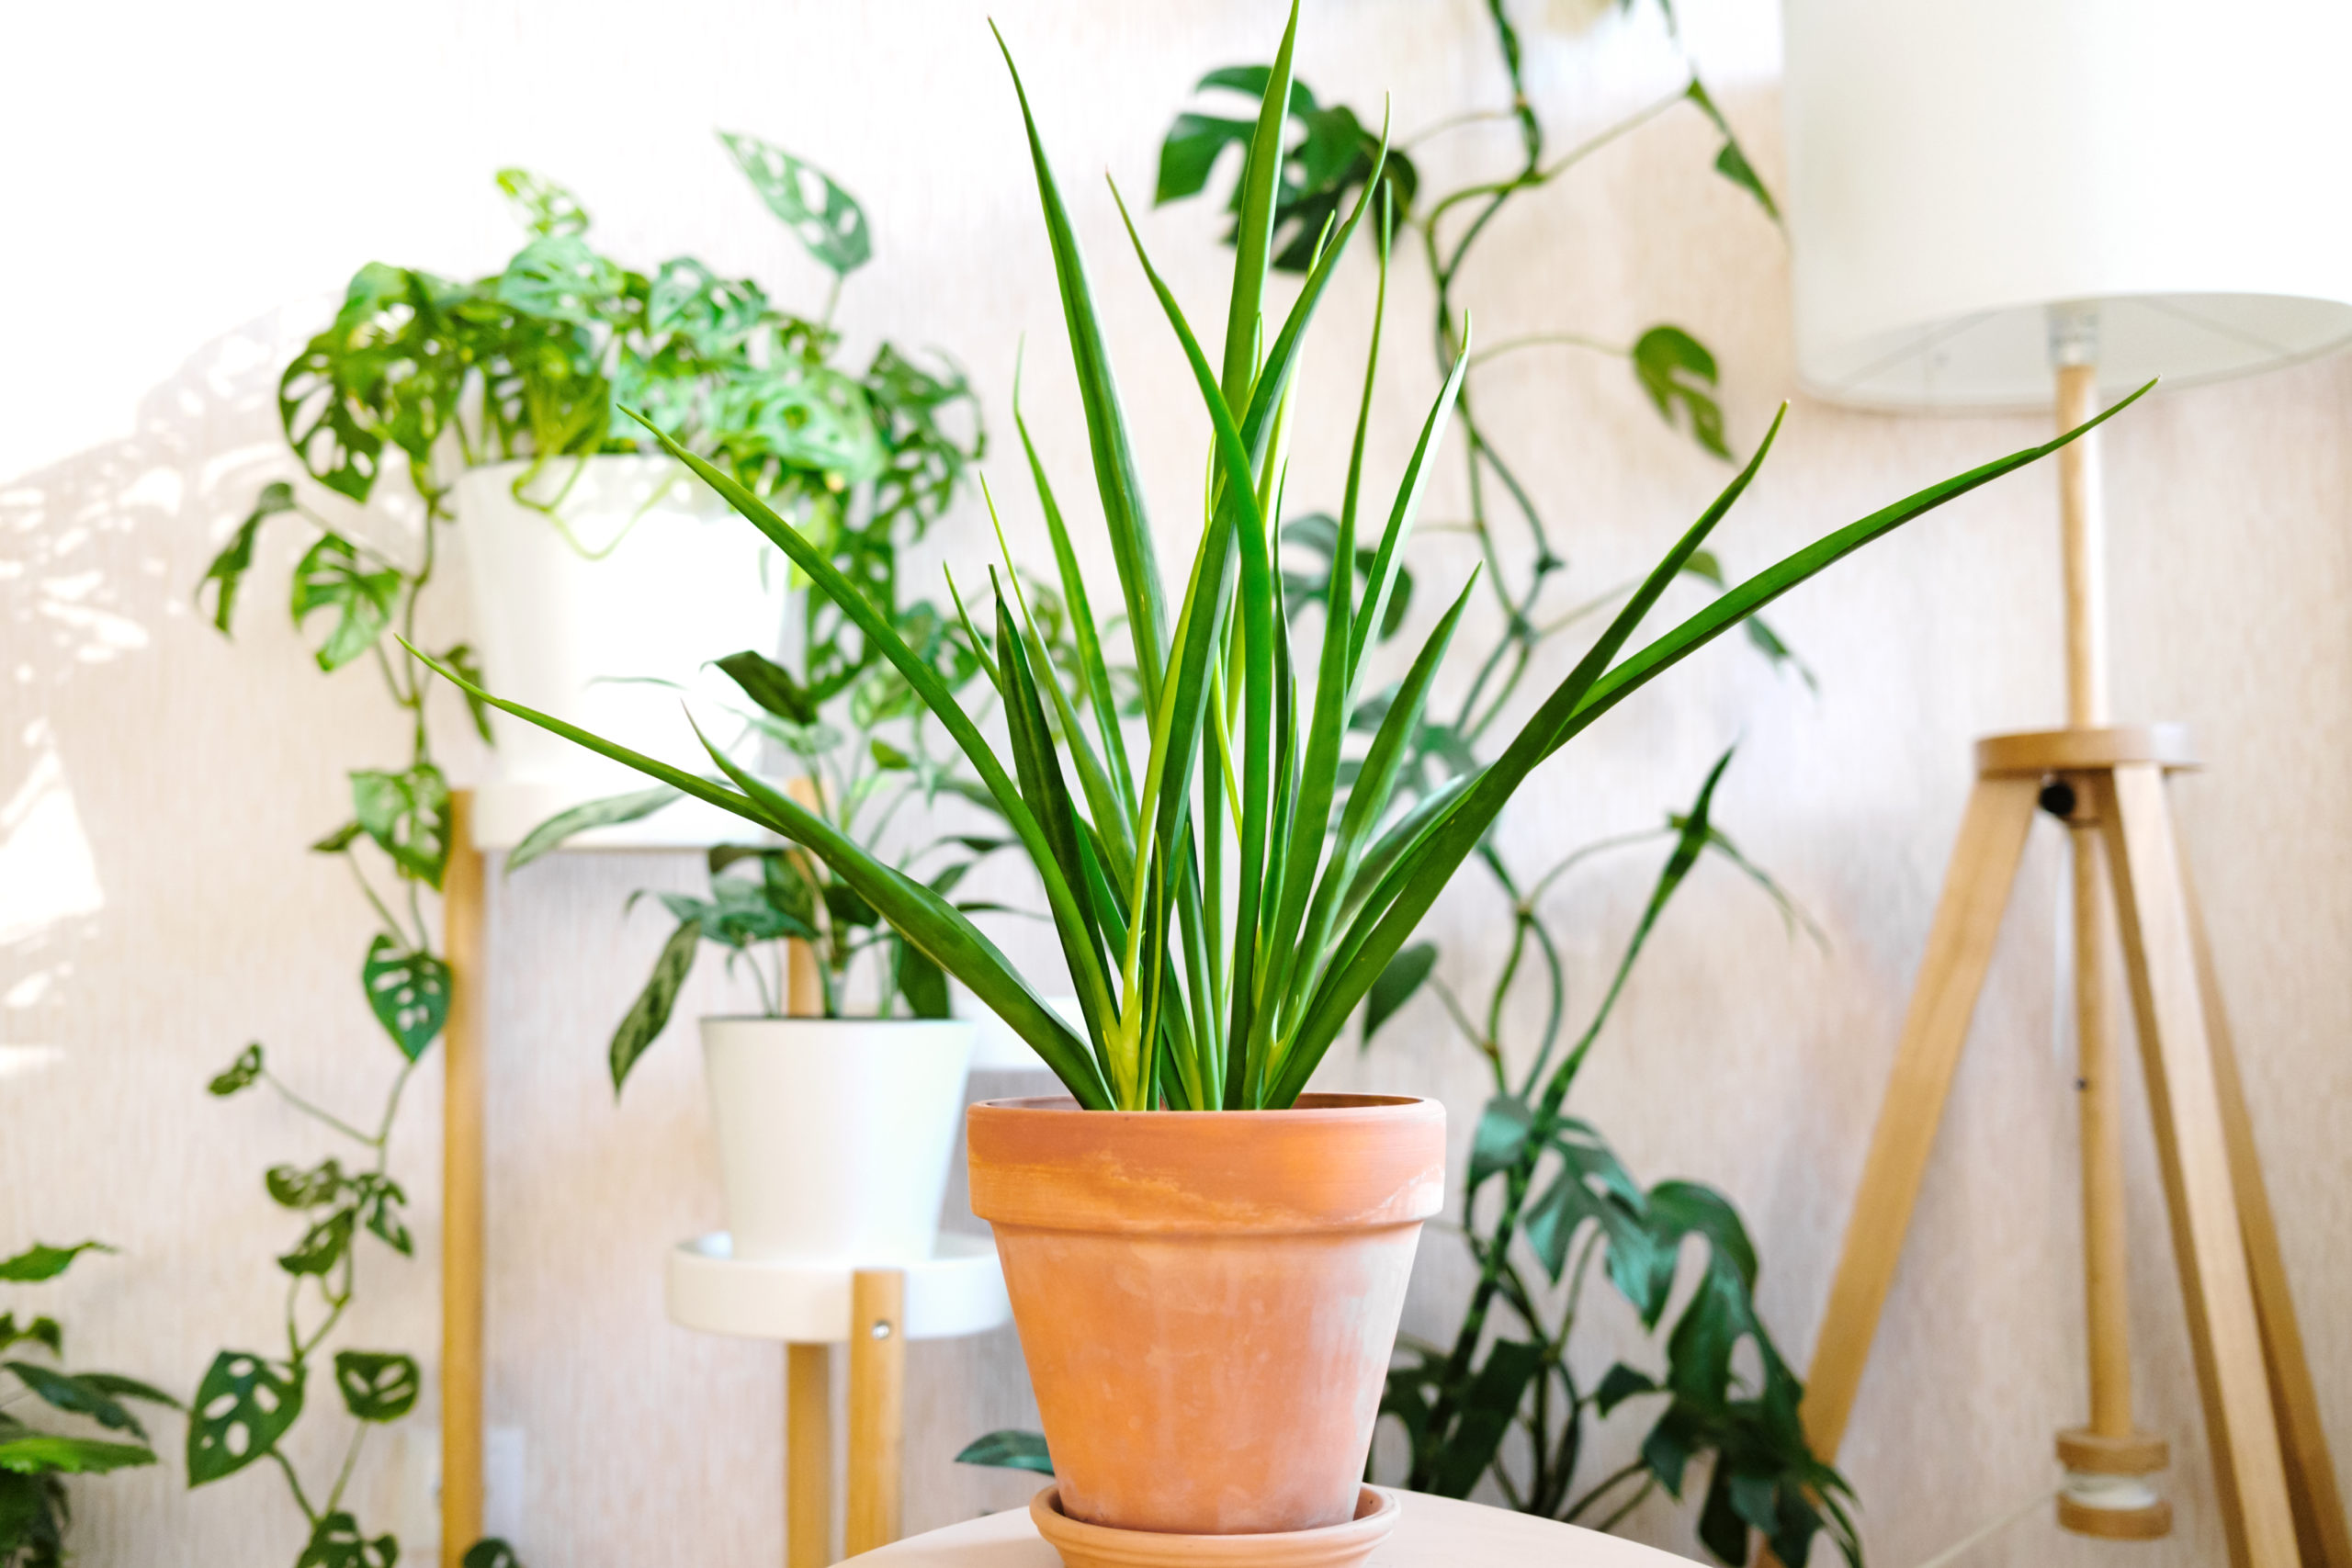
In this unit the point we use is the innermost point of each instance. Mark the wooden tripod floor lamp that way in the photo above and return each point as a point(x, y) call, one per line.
point(2016, 204)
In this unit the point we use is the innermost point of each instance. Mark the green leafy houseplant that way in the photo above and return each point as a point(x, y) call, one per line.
point(34, 1460)
point(1223, 904)
point(524, 365)
point(1456, 1406)
point(859, 774)
point(1228, 899)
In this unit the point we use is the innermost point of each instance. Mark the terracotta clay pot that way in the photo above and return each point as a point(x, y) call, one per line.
point(1207, 1300)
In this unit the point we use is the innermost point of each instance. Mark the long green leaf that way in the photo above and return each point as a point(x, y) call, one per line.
point(1106, 419)
point(1253, 229)
point(1094, 673)
point(924, 680)
point(930, 922)
point(1588, 693)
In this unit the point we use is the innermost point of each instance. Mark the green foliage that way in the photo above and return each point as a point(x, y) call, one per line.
point(41, 1261)
point(1199, 987)
point(35, 1506)
point(243, 1406)
point(490, 1553)
point(1009, 1449)
point(378, 1386)
point(433, 376)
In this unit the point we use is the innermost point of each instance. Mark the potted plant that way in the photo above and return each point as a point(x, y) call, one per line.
point(837, 1105)
point(1206, 1262)
point(504, 395)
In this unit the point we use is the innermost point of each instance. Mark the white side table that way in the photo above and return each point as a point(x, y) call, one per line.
point(1431, 1532)
point(812, 1306)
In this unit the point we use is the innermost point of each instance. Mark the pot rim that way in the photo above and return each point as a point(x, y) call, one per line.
point(1325, 1108)
point(907, 1024)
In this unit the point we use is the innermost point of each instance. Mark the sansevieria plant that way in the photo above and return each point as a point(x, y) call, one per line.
point(1229, 880)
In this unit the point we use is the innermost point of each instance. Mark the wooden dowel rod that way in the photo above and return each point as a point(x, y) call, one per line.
point(2105, 1260)
point(808, 1455)
point(2208, 1246)
point(461, 1191)
point(2083, 533)
point(877, 1392)
point(804, 988)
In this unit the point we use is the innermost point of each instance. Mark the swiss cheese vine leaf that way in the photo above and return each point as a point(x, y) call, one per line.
point(407, 814)
point(241, 1408)
point(409, 993)
point(823, 216)
point(332, 577)
point(378, 1386)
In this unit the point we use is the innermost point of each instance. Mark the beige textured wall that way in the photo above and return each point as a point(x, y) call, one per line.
point(191, 187)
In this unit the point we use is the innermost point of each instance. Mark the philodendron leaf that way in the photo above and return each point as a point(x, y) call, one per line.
point(771, 685)
point(323, 1245)
point(1731, 162)
point(227, 572)
point(408, 815)
point(378, 1386)
point(1396, 985)
point(1009, 1449)
point(824, 217)
point(1490, 1406)
point(1500, 1139)
point(332, 577)
point(75, 1396)
point(650, 1012)
point(121, 1387)
point(558, 829)
point(409, 991)
point(291, 1186)
point(490, 1553)
point(545, 206)
point(1675, 367)
point(41, 1261)
point(1621, 1384)
point(335, 1543)
point(241, 1408)
point(239, 1074)
point(41, 1331)
point(381, 1201)
point(42, 1454)
point(559, 278)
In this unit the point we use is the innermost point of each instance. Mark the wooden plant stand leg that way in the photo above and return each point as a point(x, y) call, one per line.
point(808, 1455)
point(461, 1191)
point(2208, 1242)
point(1959, 949)
point(2311, 1472)
point(877, 1392)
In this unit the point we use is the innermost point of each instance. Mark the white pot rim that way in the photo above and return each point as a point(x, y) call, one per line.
point(858, 1025)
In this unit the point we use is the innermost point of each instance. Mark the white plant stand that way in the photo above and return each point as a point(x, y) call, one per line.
point(811, 1305)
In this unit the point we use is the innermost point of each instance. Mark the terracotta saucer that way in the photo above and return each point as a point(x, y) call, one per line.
point(1083, 1545)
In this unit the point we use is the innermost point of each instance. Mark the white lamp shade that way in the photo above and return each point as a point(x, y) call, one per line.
point(1958, 166)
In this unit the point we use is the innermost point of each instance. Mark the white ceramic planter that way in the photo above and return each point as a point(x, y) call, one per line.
point(662, 578)
point(834, 1134)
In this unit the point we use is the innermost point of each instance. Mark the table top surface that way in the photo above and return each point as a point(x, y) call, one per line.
point(1431, 1532)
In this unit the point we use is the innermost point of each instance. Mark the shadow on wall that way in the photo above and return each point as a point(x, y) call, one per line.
point(93, 560)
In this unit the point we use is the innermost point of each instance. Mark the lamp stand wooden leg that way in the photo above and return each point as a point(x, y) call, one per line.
point(1959, 949)
point(2320, 1529)
point(877, 1392)
point(2208, 1243)
point(461, 1191)
point(808, 1455)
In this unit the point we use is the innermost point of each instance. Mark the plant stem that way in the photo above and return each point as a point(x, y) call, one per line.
point(294, 1482)
point(304, 1106)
